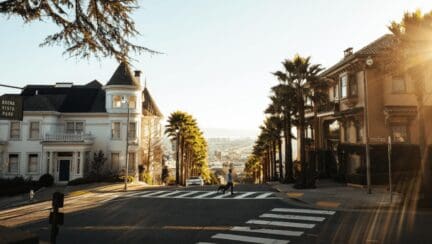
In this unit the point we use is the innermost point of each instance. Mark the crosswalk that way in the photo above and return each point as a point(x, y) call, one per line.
point(277, 226)
point(238, 195)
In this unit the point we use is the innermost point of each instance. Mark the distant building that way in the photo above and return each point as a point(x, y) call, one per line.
point(64, 124)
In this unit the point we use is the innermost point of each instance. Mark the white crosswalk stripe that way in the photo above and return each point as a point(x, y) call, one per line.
point(264, 195)
point(206, 194)
point(267, 231)
point(292, 217)
point(186, 194)
point(168, 194)
point(249, 239)
point(281, 223)
point(202, 195)
point(302, 210)
point(244, 195)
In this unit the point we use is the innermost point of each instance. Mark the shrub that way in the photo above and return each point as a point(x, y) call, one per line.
point(17, 185)
point(46, 180)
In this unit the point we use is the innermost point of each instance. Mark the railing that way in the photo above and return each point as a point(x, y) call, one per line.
point(67, 137)
point(328, 107)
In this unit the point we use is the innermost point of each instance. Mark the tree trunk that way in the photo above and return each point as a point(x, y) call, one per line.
point(288, 148)
point(275, 175)
point(301, 110)
point(178, 160)
point(280, 159)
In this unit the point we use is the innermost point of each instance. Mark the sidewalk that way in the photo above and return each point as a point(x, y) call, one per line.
point(334, 195)
point(45, 194)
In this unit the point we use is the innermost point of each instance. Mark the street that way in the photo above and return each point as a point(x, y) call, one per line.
point(254, 214)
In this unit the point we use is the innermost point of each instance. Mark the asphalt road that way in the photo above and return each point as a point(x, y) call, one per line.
point(254, 214)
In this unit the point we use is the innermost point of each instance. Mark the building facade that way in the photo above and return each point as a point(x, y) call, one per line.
point(338, 129)
point(65, 124)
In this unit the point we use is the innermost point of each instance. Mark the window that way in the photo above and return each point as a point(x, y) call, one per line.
point(115, 161)
point(359, 132)
point(32, 166)
point(353, 91)
point(131, 161)
point(117, 102)
point(74, 127)
point(398, 84)
point(335, 91)
point(399, 133)
point(132, 102)
point(344, 86)
point(15, 128)
point(13, 163)
point(132, 130)
point(34, 130)
point(115, 130)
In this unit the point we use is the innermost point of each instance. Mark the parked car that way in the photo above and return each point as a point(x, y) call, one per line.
point(195, 180)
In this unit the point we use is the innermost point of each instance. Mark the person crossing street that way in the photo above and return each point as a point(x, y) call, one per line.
point(230, 183)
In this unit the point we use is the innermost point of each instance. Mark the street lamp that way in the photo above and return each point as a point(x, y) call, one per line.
point(177, 155)
point(126, 101)
point(369, 62)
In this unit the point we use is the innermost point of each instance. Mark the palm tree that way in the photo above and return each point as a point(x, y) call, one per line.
point(302, 77)
point(271, 131)
point(413, 55)
point(283, 105)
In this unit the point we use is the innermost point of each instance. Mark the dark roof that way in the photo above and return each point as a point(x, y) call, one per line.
point(123, 76)
point(149, 105)
point(371, 49)
point(75, 99)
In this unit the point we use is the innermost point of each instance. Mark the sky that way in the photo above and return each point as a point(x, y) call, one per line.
point(218, 55)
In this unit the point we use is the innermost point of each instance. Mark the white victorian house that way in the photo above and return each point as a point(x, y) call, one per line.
point(64, 124)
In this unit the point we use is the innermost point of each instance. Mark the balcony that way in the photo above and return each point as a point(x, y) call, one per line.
point(328, 107)
point(68, 138)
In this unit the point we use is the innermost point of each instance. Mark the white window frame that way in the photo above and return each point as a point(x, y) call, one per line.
point(112, 130)
point(30, 130)
point(135, 132)
point(131, 164)
point(37, 163)
point(132, 105)
point(343, 78)
point(115, 103)
point(111, 161)
point(19, 131)
point(8, 163)
point(75, 122)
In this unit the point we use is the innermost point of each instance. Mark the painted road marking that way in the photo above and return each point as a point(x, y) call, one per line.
point(221, 196)
point(267, 231)
point(280, 223)
point(249, 239)
point(186, 194)
point(300, 210)
point(168, 194)
point(244, 195)
point(152, 194)
point(292, 217)
point(206, 194)
point(264, 195)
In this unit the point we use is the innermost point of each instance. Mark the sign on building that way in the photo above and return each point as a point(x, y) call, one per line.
point(11, 107)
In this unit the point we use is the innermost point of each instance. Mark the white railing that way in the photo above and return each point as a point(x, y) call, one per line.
point(66, 137)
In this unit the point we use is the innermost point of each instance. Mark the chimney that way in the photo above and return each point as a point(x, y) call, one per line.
point(348, 52)
point(137, 74)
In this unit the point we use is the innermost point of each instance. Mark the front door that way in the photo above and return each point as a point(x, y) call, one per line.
point(64, 170)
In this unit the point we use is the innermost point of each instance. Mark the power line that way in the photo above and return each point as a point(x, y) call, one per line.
point(9, 86)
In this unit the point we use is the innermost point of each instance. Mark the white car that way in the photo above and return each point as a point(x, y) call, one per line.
point(195, 180)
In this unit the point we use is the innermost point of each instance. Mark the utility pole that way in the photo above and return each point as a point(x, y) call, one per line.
point(369, 62)
point(125, 101)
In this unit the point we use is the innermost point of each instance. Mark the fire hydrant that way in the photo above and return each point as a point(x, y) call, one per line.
point(31, 195)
